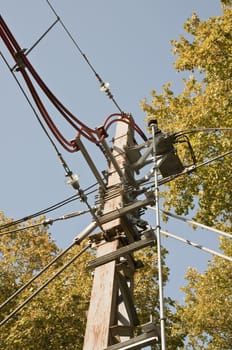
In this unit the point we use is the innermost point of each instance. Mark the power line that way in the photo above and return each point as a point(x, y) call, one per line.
point(21, 289)
point(196, 245)
point(198, 130)
point(104, 86)
point(58, 153)
point(49, 209)
point(46, 222)
point(194, 167)
point(42, 212)
point(44, 285)
point(77, 241)
point(193, 222)
point(28, 72)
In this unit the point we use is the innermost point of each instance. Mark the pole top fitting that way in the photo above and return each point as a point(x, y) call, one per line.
point(152, 122)
point(153, 125)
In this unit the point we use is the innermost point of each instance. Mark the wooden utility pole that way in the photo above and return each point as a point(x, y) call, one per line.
point(112, 315)
point(101, 315)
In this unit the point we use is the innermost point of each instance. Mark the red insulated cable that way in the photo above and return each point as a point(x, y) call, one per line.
point(8, 33)
point(65, 143)
point(111, 116)
point(129, 121)
point(15, 49)
point(63, 110)
point(21, 59)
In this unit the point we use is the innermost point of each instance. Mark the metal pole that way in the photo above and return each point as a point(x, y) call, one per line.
point(153, 125)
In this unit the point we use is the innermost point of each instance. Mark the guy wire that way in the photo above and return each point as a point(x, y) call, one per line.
point(103, 85)
point(47, 210)
point(63, 163)
point(44, 285)
point(21, 289)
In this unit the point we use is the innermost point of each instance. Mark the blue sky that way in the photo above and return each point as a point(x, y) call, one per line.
point(128, 43)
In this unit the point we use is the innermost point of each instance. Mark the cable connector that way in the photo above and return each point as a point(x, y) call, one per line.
point(101, 132)
point(72, 179)
point(19, 60)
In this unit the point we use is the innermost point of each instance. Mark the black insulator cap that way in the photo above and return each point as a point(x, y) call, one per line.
point(152, 122)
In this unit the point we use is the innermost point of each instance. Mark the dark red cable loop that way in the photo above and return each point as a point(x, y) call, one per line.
point(65, 143)
point(56, 102)
point(83, 130)
point(111, 116)
point(126, 118)
point(117, 120)
point(9, 34)
point(17, 53)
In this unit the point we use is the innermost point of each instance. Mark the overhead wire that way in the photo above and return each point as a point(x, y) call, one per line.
point(22, 288)
point(194, 223)
point(58, 153)
point(46, 222)
point(197, 245)
point(198, 130)
point(93, 135)
point(48, 209)
point(15, 52)
point(103, 85)
point(194, 167)
point(44, 285)
point(77, 241)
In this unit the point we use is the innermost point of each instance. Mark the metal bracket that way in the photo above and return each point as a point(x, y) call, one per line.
point(136, 343)
point(121, 251)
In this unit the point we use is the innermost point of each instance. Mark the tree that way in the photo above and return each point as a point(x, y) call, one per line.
point(206, 316)
point(56, 316)
point(205, 102)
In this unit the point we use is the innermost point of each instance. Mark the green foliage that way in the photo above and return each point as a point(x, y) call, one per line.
point(206, 315)
point(55, 318)
point(205, 102)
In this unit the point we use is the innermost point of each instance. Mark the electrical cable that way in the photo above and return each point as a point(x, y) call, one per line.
point(30, 104)
point(82, 129)
point(198, 130)
point(46, 222)
point(104, 86)
point(126, 118)
point(193, 222)
point(22, 61)
point(44, 285)
point(49, 209)
point(21, 289)
point(38, 41)
point(184, 139)
point(196, 245)
point(58, 153)
point(193, 168)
